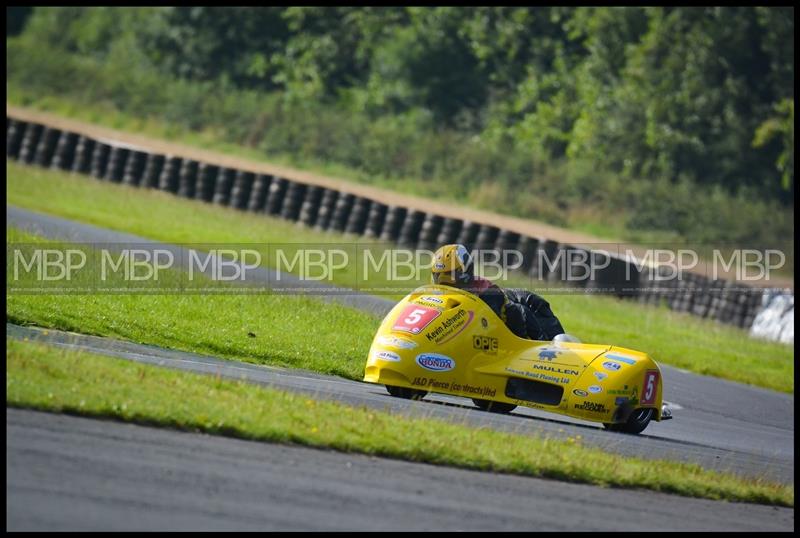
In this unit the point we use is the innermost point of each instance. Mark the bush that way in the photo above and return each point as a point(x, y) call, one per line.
point(405, 151)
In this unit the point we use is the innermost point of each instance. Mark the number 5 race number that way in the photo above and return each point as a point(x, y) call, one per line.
point(414, 318)
point(650, 387)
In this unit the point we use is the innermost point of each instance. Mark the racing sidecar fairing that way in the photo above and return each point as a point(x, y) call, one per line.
point(447, 340)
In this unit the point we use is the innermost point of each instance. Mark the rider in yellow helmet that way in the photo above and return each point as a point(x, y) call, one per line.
point(525, 313)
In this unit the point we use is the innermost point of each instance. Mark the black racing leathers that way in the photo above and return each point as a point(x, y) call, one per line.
point(540, 321)
point(526, 314)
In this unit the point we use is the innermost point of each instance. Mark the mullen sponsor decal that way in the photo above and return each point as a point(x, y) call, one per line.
point(554, 369)
point(435, 362)
point(612, 366)
point(387, 356)
point(394, 341)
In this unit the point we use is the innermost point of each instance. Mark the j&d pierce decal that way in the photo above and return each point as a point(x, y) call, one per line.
point(387, 356)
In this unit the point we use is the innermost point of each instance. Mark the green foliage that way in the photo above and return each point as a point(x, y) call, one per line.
point(16, 18)
point(781, 127)
point(562, 114)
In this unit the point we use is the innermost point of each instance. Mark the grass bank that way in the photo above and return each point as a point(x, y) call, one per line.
point(280, 330)
point(678, 339)
point(45, 378)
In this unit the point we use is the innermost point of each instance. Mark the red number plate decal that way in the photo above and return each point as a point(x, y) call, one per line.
point(650, 387)
point(414, 318)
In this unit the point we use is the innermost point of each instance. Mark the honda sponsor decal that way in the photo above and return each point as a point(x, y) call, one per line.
point(435, 362)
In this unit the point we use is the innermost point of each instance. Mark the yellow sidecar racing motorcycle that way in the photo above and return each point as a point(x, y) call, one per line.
point(446, 340)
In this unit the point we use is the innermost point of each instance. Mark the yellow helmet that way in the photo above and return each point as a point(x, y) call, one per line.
point(452, 266)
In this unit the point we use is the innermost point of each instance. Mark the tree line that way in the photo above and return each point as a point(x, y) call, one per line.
point(505, 99)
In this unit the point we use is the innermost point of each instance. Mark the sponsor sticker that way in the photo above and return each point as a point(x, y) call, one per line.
point(541, 376)
point(595, 389)
point(387, 356)
point(612, 366)
point(476, 390)
point(548, 354)
point(620, 358)
point(600, 376)
point(619, 400)
point(435, 362)
point(581, 393)
point(484, 323)
point(430, 299)
point(592, 407)
point(485, 343)
point(450, 327)
point(394, 341)
point(414, 318)
point(555, 370)
point(650, 387)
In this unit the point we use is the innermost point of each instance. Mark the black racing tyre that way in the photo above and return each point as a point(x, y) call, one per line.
point(494, 407)
point(405, 393)
point(635, 424)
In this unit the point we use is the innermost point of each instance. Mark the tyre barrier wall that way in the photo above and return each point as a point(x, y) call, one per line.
point(328, 209)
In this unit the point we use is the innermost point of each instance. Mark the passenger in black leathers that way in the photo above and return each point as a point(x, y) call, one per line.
point(526, 314)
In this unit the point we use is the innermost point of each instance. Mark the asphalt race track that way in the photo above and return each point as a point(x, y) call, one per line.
point(718, 424)
point(97, 475)
point(708, 437)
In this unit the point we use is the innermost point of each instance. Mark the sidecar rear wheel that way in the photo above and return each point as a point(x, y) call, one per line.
point(494, 407)
point(405, 393)
point(636, 423)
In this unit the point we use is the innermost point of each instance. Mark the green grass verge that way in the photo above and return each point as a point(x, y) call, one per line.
point(678, 339)
point(46, 378)
point(280, 330)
